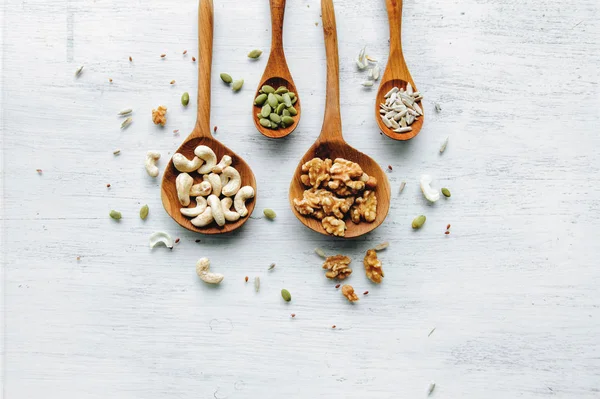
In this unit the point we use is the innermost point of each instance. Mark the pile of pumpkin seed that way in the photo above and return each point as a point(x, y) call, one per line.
point(277, 107)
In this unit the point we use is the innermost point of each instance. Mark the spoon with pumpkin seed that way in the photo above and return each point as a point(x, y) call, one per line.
point(276, 108)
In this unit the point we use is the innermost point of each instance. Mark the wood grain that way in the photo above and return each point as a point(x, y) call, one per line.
point(512, 292)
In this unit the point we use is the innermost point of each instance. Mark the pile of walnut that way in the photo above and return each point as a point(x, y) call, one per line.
point(337, 188)
point(338, 268)
point(220, 182)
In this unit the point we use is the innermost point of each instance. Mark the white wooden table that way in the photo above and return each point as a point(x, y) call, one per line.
point(512, 292)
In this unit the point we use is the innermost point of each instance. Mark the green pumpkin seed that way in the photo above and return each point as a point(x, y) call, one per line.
point(185, 99)
point(144, 212)
point(226, 78)
point(254, 54)
point(269, 214)
point(280, 109)
point(272, 101)
point(237, 85)
point(285, 294)
point(288, 120)
point(292, 111)
point(283, 125)
point(287, 100)
point(265, 122)
point(292, 95)
point(285, 112)
point(294, 100)
point(279, 98)
point(418, 222)
point(281, 90)
point(265, 111)
point(115, 214)
point(260, 99)
point(446, 192)
point(275, 118)
point(267, 89)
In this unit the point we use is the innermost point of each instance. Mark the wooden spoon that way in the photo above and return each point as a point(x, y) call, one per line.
point(276, 72)
point(331, 144)
point(201, 136)
point(396, 73)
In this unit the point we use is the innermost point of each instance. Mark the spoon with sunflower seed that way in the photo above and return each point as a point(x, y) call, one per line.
point(201, 136)
point(398, 109)
point(276, 109)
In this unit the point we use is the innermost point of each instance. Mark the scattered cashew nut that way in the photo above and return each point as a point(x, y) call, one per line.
point(183, 183)
point(183, 164)
point(225, 162)
point(217, 210)
point(231, 181)
point(204, 188)
point(208, 156)
point(215, 183)
point(161, 237)
point(193, 212)
point(230, 215)
point(202, 270)
point(239, 201)
point(151, 158)
point(204, 219)
point(431, 194)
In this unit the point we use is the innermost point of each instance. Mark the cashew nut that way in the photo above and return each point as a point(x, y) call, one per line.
point(225, 161)
point(193, 212)
point(151, 158)
point(204, 188)
point(230, 215)
point(431, 194)
point(231, 181)
point(215, 183)
point(161, 237)
point(204, 219)
point(217, 210)
point(202, 270)
point(183, 164)
point(184, 184)
point(208, 156)
point(239, 201)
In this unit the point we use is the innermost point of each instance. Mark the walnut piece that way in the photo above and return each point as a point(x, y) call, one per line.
point(336, 206)
point(318, 172)
point(373, 266)
point(312, 201)
point(345, 170)
point(334, 226)
point(159, 116)
point(364, 207)
point(348, 292)
point(351, 187)
point(337, 266)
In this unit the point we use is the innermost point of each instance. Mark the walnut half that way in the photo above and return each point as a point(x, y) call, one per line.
point(364, 207)
point(159, 116)
point(373, 266)
point(348, 292)
point(334, 226)
point(337, 266)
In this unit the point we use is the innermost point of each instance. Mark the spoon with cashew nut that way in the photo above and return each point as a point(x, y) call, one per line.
point(201, 136)
point(330, 143)
point(396, 74)
point(277, 74)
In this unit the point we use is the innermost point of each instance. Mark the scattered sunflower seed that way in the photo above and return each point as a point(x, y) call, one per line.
point(115, 214)
point(226, 78)
point(257, 283)
point(446, 192)
point(125, 112)
point(431, 388)
point(444, 144)
point(285, 294)
point(126, 123)
point(382, 246)
point(116, 152)
point(367, 83)
point(402, 185)
point(78, 71)
point(431, 332)
point(271, 266)
point(269, 214)
point(321, 253)
point(237, 85)
point(254, 54)
point(438, 107)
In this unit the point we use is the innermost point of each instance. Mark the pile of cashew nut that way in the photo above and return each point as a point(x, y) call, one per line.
point(220, 182)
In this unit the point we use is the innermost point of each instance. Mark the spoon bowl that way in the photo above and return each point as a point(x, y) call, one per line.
point(331, 144)
point(384, 87)
point(277, 73)
point(201, 136)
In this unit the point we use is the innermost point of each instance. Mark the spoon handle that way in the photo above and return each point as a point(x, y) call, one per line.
point(205, 44)
point(394, 10)
point(332, 120)
point(277, 14)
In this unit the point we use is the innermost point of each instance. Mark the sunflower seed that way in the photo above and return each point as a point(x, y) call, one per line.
point(386, 121)
point(438, 107)
point(320, 252)
point(126, 123)
point(367, 83)
point(403, 129)
point(78, 71)
point(375, 72)
point(126, 112)
point(444, 144)
point(418, 109)
point(402, 185)
point(392, 91)
point(409, 89)
point(381, 246)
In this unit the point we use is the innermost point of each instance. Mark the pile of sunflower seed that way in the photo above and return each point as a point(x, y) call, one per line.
point(400, 109)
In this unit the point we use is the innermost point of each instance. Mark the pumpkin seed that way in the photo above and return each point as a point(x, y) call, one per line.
point(287, 100)
point(294, 100)
point(292, 95)
point(185, 98)
point(267, 89)
point(288, 120)
point(285, 112)
point(285, 294)
point(265, 111)
point(226, 78)
point(254, 54)
point(292, 111)
point(281, 90)
point(265, 122)
point(260, 99)
point(446, 192)
point(275, 118)
point(418, 222)
point(237, 85)
point(144, 212)
point(115, 214)
point(269, 214)
point(279, 98)
point(272, 100)
point(280, 108)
